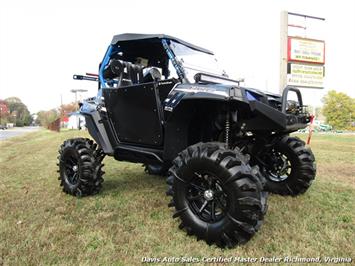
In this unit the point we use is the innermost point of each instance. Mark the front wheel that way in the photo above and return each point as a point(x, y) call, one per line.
point(216, 194)
point(80, 167)
point(289, 167)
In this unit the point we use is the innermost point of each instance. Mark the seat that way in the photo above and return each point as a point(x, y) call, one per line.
point(152, 74)
point(135, 72)
point(126, 72)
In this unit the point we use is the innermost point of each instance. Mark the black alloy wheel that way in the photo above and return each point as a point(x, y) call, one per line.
point(216, 194)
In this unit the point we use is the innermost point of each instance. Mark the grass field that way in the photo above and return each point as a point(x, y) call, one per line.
point(130, 219)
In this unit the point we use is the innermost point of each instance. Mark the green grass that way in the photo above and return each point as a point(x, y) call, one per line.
point(130, 219)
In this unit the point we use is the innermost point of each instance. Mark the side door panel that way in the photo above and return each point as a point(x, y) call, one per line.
point(134, 113)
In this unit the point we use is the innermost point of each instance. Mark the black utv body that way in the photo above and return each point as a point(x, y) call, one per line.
point(165, 103)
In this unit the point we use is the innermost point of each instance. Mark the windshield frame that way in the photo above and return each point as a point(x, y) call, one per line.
point(180, 50)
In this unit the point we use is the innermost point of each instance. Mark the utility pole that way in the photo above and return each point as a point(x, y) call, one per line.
point(283, 50)
point(75, 91)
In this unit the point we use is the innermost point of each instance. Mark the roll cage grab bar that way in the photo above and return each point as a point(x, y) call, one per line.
point(110, 50)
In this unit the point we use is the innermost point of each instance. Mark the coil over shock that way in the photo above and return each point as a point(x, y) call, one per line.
point(227, 129)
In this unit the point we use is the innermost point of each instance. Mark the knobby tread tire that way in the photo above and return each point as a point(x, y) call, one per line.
point(243, 184)
point(89, 157)
point(303, 168)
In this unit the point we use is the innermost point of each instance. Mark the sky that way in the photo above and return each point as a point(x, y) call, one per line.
point(43, 43)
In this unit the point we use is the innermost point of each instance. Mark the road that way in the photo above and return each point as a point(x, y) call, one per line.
point(17, 131)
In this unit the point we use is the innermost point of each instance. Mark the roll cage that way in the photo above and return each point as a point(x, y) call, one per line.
point(129, 54)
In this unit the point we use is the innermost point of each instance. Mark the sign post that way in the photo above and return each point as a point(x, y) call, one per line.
point(302, 58)
point(283, 49)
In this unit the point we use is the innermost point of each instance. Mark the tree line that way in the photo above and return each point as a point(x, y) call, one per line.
point(13, 110)
point(338, 110)
point(44, 118)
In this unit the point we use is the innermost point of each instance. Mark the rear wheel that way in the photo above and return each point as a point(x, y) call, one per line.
point(216, 194)
point(289, 167)
point(80, 167)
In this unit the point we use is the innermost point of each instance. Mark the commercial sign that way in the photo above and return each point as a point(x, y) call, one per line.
point(302, 58)
point(303, 75)
point(306, 50)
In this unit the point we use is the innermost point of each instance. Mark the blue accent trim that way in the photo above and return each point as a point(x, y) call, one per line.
point(250, 96)
point(167, 49)
point(103, 65)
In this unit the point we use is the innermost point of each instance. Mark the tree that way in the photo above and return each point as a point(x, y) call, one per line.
point(66, 109)
point(44, 118)
point(18, 112)
point(339, 109)
point(4, 112)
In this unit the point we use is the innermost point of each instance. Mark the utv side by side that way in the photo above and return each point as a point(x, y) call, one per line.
point(166, 103)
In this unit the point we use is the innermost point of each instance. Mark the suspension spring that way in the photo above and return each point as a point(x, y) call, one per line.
point(227, 129)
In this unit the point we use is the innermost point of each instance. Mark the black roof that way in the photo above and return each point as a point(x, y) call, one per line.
point(131, 37)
